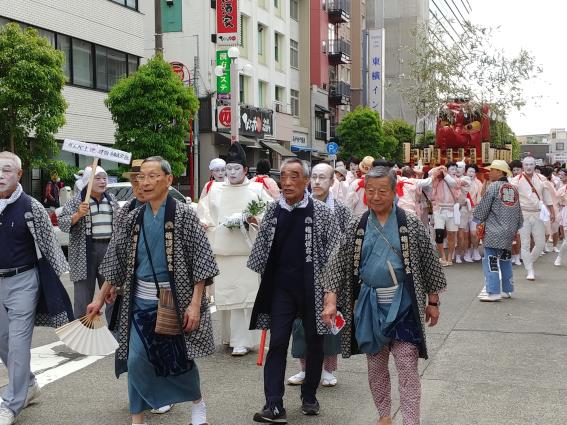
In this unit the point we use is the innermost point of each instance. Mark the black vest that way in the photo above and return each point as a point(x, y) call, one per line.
point(16, 237)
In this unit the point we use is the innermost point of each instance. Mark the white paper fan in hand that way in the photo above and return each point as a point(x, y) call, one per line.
point(88, 335)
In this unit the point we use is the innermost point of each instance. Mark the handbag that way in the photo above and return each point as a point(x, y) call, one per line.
point(167, 321)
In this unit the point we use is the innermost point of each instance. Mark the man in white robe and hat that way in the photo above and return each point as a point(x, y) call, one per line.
point(231, 227)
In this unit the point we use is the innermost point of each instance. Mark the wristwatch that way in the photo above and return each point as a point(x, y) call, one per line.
point(437, 304)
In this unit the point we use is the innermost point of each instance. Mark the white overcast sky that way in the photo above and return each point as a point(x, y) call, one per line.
point(538, 27)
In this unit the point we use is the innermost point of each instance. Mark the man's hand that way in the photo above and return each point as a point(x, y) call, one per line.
point(110, 296)
point(252, 220)
point(83, 210)
point(191, 317)
point(94, 307)
point(329, 309)
point(431, 315)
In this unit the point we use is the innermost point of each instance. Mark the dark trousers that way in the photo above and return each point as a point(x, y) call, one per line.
point(287, 305)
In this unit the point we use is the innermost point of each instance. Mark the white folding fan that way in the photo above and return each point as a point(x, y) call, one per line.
point(88, 335)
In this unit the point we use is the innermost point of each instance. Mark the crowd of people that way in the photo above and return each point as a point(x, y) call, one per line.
point(367, 238)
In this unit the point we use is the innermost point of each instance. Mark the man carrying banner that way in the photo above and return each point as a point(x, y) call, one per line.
point(89, 223)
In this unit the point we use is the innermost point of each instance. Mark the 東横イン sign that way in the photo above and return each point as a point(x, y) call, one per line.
point(96, 151)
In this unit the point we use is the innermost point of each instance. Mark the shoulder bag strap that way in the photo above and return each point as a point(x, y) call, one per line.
point(532, 186)
point(150, 258)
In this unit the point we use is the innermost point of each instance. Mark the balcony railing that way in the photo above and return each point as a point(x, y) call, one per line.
point(338, 51)
point(339, 92)
point(339, 11)
point(320, 135)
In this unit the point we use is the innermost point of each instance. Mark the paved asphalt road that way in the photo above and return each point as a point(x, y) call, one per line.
point(490, 364)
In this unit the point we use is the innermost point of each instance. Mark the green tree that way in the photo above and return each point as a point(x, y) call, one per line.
point(401, 132)
point(32, 107)
point(360, 133)
point(424, 141)
point(152, 109)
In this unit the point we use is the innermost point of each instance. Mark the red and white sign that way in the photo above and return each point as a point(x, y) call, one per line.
point(224, 115)
point(227, 23)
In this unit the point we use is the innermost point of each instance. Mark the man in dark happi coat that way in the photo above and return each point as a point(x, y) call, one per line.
point(291, 250)
point(393, 275)
point(30, 290)
point(160, 244)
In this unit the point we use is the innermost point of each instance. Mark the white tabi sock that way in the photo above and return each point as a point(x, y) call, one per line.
point(198, 413)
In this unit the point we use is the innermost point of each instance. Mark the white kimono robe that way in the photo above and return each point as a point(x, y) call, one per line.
point(236, 285)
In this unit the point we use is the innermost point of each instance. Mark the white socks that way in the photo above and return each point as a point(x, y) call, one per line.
point(198, 413)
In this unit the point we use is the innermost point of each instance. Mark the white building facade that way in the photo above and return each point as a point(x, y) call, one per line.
point(102, 40)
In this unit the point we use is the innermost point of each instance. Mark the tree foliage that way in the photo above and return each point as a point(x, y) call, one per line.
point(424, 140)
point(360, 133)
point(397, 132)
point(152, 109)
point(501, 134)
point(32, 107)
point(468, 66)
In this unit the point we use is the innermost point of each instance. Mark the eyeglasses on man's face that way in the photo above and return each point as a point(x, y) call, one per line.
point(141, 178)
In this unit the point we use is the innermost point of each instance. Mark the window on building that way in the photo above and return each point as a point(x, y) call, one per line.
point(294, 100)
point(132, 4)
point(100, 60)
point(244, 22)
point(50, 35)
point(64, 45)
point(279, 96)
point(294, 54)
point(559, 146)
point(261, 39)
point(277, 51)
point(242, 85)
point(262, 93)
point(320, 127)
point(82, 63)
point(133, 64)
point(110, 66)
point(294, 9)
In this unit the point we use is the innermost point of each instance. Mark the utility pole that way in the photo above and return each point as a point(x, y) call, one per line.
point(158, 30)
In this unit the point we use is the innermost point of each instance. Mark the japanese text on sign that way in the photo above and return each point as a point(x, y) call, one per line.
point(96, 151)
point(223, 82)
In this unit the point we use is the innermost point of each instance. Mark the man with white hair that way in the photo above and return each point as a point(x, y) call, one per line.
point(322, 176)
point(89, 223)
point(537, 207)
point(30, 256)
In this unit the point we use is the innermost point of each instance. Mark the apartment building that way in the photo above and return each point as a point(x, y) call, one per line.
point(102, 40)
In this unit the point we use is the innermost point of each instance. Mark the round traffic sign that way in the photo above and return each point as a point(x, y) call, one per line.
point(332, 148)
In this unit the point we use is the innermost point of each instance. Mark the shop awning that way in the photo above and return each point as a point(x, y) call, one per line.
point(276, 147)
point(244, 141)
point(295, 148)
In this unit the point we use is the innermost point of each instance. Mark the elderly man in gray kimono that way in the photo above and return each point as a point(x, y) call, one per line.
point(393, 277)
point(296, 237)
point(161, 251)
point(30, 290)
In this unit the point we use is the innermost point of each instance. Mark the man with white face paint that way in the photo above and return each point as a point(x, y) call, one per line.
point(89, 224)
point(537, 205)
point(446, 197)
point(217, 167)
point(231, 234)
point(322, 176)
point(29, 246)
point(468, 241)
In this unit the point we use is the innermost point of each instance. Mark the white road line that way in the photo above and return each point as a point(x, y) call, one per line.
point(49, 365)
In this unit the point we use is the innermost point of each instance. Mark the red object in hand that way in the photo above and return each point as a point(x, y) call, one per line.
point(260, 360)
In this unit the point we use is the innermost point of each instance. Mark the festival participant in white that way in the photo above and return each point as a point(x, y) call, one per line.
point(356, 199)
point(562, 198)
point(162, 260)
point(89, 224)
point(468, 239)
point(30, 256)
point(445, 197)
point(321, 177)
point(408, 189)
point(232, 228)
point(217, 167)
point(537, 207)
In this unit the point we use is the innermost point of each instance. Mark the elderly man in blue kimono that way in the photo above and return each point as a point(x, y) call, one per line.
point(393, 279)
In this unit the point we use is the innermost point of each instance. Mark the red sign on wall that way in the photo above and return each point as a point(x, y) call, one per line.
point(227, 22)
point(224, 117)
